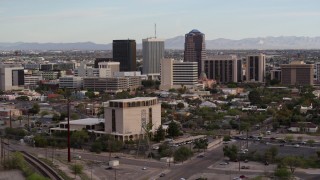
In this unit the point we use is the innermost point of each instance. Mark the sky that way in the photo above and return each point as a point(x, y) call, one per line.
point(101, 21)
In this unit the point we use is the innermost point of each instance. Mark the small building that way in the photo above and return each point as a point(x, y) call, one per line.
point(90, 124)
point(307, 127)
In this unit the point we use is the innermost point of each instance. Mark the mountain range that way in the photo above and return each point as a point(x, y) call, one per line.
point(281, 42)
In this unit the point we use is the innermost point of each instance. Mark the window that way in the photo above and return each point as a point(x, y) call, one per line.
point(113, 120)
point(150, 115)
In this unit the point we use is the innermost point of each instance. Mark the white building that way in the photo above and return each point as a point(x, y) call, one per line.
point(175, 74)
point(107, 69)
point(153, 53)
point(86, 71)
point(32, 81)
point(70, 82)
point(256, 68)
point(125, 118)
point(11, 77)
point(90, 124)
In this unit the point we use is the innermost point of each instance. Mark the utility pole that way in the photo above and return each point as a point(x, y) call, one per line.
point(69, 155)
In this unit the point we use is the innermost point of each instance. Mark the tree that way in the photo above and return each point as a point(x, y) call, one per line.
point(160, 134)
point(44, 113)
point(90, 94)
point(76, 168)
point(165, 150)
point(96, 147)
point(254, 97)
point(173, 129)
point(282, 173)
point(22, 98)
point(288, 138)
point(201, 144)
point(226, 138)
point(180, 105)
point(74, 116)
point(230, 152)
point(35, 109)
point(40, 141)
point(310, 142)
point(78, 138)
point(273, 152)
point(292, 162)
point(182, 154)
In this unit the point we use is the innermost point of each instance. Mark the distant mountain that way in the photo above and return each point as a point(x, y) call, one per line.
point(281, 42)
point(55, 46)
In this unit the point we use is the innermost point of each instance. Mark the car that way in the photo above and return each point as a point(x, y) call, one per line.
point(266, 163)
point(246, 161)
point(296, 145)
point(201, 156)
point(223, 163)
point(225, 142)
point(117, 157)
point(282, 144)
point(182, 179)
point(76, 156)
point(162, 175)
point(144, 168)
point(109, 168)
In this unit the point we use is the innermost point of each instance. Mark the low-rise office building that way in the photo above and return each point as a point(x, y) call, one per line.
point(126, 119)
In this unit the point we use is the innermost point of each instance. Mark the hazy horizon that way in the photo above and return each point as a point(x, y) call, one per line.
point(100, 22)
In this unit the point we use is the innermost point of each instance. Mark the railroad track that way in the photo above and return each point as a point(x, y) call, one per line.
point(43, 168)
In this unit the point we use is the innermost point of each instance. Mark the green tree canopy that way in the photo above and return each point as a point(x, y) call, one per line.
point(182, 154)
point(173, 129)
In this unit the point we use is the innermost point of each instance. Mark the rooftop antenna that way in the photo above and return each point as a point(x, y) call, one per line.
point(155, 30)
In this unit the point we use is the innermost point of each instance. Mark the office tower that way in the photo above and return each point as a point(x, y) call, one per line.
point(223, 68)
point(317, 71)
point(107, 69)
point(153, 52)
point(297, 73)
point(11, 77)
point(175, 74)
point(124, 51)
point(124, 118)
point(256, 68)
point(275, 74)
point(195, 48)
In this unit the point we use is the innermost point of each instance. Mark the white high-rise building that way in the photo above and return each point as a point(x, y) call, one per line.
point(153, 53)
point(11, 77)
point(126, 119)
point(175, 74)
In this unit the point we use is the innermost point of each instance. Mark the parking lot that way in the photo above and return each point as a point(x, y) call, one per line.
point(286, 150)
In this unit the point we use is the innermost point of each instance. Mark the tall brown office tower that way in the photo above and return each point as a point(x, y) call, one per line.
point(195, 48)
point(124, 51)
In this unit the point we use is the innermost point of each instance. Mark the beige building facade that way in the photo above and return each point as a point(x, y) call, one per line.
point(125, 119)
point(256, 68)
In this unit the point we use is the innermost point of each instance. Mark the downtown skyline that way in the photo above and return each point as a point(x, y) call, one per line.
point(103, 21)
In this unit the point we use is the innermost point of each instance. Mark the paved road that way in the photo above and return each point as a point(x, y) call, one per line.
point(196, 165)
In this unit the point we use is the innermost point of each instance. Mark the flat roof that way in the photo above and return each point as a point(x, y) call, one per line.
point(134, 99)
point(87, 121)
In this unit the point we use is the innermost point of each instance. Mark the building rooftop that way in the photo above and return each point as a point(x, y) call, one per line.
point(87, 121)
point(194, 31)
point(134, 99)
